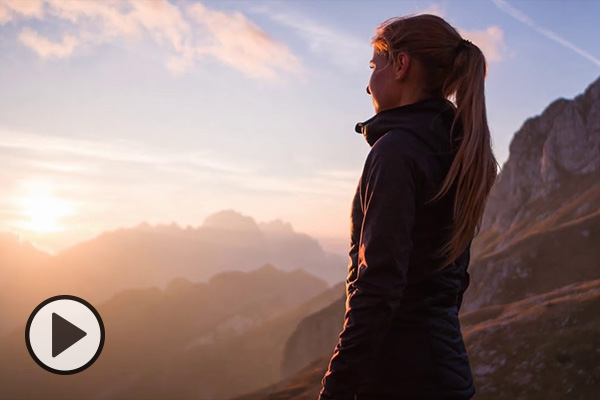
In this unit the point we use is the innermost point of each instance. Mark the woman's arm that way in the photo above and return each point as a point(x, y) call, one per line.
point(387, 190)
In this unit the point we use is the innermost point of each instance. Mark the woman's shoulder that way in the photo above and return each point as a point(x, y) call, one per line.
point(394, 154)
point(402, 151)
point(399, 143)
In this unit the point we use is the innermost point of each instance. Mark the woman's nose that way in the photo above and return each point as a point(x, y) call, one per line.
point(368, 91)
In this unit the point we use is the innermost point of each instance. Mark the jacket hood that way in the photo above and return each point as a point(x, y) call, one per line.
point(429, 119)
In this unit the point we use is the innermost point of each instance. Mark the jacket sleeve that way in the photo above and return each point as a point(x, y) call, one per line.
point(388, 193)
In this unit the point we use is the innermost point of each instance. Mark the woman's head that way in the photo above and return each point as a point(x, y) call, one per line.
point(422, 57)
point(438, 49)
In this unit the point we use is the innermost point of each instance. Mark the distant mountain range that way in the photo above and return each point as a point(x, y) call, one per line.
point(147, 256)
point(214, 339)
point(530, 315)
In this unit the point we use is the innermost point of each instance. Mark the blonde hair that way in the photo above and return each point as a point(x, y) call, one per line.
point(454, 69)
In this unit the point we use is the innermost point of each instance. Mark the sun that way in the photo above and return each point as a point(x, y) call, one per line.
point(42, 211)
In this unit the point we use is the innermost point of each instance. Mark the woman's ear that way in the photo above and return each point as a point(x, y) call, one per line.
point(401, 66)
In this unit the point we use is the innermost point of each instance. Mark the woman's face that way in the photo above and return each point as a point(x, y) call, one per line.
point(383, 85)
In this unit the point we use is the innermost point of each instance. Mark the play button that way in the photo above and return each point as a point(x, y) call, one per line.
point(64, 334)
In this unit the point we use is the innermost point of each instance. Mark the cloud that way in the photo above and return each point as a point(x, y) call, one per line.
point(11, 8)
point(520, 16)
point(46, 48)
point(120, 161)
point(5, 15)
point(120, 150)
point(188, 32)
point(341, 47)
point(490, 41)
point(241, 44)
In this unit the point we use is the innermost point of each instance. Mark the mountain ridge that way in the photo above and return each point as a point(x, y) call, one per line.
point(148, 255)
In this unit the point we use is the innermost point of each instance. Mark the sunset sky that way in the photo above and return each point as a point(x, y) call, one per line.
point(115, 113)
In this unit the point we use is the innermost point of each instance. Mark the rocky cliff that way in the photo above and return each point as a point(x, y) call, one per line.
point(554, 160)
point(542, 219)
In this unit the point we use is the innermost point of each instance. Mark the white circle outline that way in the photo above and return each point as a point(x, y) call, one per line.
point(84, 303)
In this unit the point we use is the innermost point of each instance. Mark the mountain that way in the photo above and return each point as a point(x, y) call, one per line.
point(188, 340)
point(538, 262)
point(554, 161)
point(314, 336)
point(145, 256)
point(546, 346)
point(232, 365)
point(529, 314)
point(541, 219)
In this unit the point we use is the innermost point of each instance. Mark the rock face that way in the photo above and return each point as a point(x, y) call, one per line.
point(557, 148)
point(542, 218)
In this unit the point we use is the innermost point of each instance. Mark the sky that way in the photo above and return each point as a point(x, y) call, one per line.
point(116, 113)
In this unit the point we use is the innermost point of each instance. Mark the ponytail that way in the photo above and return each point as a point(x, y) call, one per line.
point(474, 168)
point(455, 69)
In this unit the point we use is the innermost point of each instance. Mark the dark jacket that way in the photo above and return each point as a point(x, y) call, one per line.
point(401, 337)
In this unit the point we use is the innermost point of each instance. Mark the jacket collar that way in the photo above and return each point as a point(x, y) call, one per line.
point(429, 119)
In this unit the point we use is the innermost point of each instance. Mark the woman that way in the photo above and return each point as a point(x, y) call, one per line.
point(417, 207)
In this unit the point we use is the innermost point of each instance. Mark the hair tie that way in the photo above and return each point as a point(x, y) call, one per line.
point(463, 43)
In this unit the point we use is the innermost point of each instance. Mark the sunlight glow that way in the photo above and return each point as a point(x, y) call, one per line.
point(43, 210)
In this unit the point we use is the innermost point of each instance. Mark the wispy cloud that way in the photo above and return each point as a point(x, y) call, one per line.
point(242, 44)
point(11, 9)
point(342, 47)
point(187, 31)
point(119, 160)
point(46, 48)
point(524, 18)
point(116, 150)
